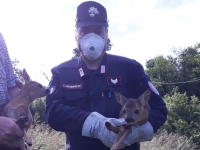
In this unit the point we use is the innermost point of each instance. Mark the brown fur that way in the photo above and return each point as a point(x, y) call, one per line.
point(134, 111)
point(18, 107)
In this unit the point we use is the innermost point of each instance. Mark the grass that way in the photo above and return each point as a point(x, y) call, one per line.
point(45, 138)
point(165, 141)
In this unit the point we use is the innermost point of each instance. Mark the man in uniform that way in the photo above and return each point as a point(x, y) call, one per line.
point(81, 95)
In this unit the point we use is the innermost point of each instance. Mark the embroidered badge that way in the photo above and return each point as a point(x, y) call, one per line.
point(93, 11)
point(114, 81)
point(72, 86)
point(52, 90)
point(153, 88)
point(81, 72)
point(103, 69)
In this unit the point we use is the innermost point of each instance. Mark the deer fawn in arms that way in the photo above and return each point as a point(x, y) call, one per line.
point(18, 107)
point(134, 111)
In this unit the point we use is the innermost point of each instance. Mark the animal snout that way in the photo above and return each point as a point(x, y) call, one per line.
point(129, 119)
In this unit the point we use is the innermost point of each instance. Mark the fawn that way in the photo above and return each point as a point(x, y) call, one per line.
point(134, 111)
point(18, 107)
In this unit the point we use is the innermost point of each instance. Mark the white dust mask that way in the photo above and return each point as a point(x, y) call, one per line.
point(92, 46)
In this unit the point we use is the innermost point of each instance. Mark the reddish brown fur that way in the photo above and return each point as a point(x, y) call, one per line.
point(18, 107)
point(134, 111)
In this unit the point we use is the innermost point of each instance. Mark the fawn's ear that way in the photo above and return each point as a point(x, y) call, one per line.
point(26, 76)
point(144, 98)
point(120, 98)
point(19, 84)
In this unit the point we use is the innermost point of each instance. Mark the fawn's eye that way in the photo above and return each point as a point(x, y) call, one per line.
point(136, 111)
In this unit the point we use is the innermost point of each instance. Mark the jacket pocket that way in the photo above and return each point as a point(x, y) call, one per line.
point(76, 98)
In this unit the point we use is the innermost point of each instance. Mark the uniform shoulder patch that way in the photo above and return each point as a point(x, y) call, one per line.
point(52, 89)
point(153, 88)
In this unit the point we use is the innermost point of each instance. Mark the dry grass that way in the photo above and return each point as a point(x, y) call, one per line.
point(45, 138)
point(165, 141)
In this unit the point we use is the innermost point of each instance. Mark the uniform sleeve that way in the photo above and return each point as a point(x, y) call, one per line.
point(60, 116)
point(7, 64)
point(158, 109)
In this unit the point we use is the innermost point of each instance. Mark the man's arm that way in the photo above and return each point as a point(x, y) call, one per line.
point(7, 66)
point(158, 113)
point(60, 116)
point(9, 130)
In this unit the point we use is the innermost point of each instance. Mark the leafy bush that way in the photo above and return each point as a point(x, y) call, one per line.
point(39, 107)
point(184, 115)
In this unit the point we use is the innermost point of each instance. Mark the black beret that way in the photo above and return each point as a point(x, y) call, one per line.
point(91, 13)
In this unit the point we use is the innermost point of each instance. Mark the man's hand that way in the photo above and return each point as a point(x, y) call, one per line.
point(94, 126)
point(9, 131)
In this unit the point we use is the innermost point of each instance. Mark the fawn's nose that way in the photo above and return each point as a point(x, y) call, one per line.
point(129, 119)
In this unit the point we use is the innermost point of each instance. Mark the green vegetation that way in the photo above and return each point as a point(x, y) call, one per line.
point(184, 115)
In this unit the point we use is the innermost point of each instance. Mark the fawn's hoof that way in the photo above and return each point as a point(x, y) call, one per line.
point(21, 121)
point(108, 125)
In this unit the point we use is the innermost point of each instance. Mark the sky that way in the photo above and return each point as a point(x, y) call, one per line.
point(40, 34)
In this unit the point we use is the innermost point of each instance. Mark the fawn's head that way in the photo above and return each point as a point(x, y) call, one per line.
point(134, 111)
point(32, 88)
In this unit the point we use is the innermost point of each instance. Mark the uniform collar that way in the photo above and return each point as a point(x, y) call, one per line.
point(102, 69)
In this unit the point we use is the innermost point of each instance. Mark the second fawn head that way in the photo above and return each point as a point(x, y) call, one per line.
point(134, 111)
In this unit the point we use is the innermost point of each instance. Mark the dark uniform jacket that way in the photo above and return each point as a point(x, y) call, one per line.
point(76, 91)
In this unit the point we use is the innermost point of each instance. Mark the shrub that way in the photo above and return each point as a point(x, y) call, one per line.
point(39, 107)
point(184, 115)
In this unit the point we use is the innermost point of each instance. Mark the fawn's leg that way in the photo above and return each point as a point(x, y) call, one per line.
point(27, 138)
point(22, 122)
point(110, 127)
point(123, 133)
point(28, 124)
point(20, 141)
